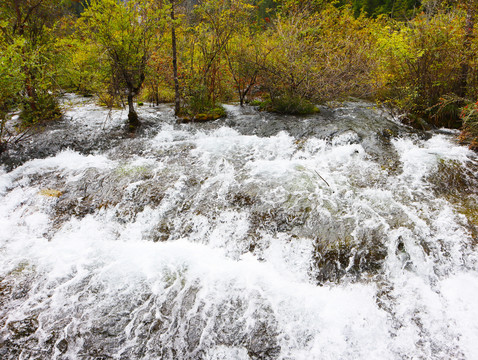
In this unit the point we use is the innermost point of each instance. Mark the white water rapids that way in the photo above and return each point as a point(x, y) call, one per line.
point(218, 241)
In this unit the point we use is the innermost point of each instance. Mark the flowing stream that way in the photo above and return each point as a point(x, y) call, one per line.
point(342, 235)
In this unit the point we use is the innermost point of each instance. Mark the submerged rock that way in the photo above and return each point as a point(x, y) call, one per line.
point(23, 328)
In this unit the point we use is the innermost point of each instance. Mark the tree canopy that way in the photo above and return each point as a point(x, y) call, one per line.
point(286, 55)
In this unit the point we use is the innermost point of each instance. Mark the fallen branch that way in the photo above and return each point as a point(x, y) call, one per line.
point(325, 181)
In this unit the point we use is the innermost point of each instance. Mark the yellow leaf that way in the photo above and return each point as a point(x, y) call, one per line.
point(50, 193)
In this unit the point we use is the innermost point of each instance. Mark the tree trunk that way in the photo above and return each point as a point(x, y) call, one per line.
point(177, 104)
point(132, 115)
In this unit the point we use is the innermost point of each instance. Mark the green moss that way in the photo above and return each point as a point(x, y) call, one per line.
point(209, 115)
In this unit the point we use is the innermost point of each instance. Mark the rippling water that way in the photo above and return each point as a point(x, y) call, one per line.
point(343, 235)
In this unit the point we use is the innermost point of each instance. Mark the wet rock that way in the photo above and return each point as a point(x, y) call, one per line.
point(276, 220)
point(403, 255)
point(354, 258)
point(23, 328)
point(453, 179)
point(241, 200)
point(9, 350)
point(6, 289)
point(346, 137)
point(194, 332)
point(162, 231)
point(262, 340)
point(62, 346)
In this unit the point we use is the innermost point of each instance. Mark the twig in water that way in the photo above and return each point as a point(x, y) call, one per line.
point(322, 178)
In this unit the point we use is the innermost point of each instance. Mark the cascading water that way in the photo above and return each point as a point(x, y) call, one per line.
point(342, 235)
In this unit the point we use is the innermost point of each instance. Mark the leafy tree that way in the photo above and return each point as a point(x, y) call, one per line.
point(177, 100)
point(125, 33)
point(11, 84)
point(318, 56)
point(421, 61)
point(470, 8)
point(397, 9)
point(246, 58)
point(29, 28)
point(212, 25)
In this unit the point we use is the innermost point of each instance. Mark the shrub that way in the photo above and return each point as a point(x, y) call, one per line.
point(199, 101)
point(157, 95)
point(255, 102)
point(44, 108)
point(420, 61)
point(469, 115)
point(200, 107)
point(289, 104)
point(212, 114)
point(319, 56)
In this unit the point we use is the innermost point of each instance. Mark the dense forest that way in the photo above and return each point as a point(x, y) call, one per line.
point(286, 56)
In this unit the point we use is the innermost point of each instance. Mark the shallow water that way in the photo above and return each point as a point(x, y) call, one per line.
point(343, 235)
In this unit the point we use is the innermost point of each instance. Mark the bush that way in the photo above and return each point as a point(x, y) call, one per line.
point(44, 108)
point(469, 115)
point(289, 104)
point(199, 107)
point(109, 100)
point(157, 95)
point(198, 101)
point(212, 114)
point(323, 56)
point(255, 102)
point(420, 61)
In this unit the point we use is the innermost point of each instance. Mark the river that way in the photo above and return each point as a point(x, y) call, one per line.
point(340, 235)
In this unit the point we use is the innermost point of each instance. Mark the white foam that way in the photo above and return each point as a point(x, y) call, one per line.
point(421, 160)
point(421, 306)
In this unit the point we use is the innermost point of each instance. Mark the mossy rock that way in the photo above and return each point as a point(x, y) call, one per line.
point(183, 119)
point(131, 171)
point(211, 115)
point(206, 117)
point(350, 258)
point(23, 328)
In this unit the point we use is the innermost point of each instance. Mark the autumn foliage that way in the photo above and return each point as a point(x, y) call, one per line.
point(286, 55)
